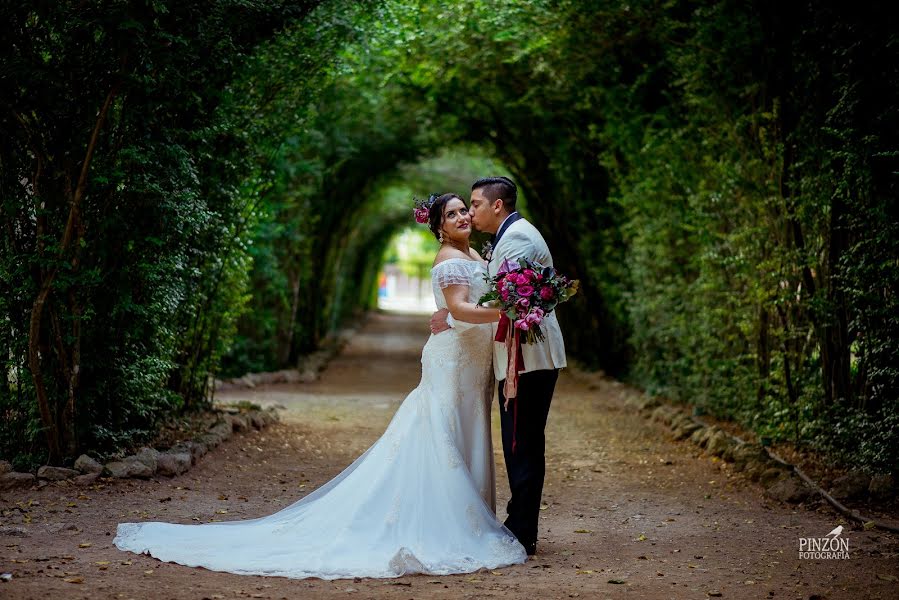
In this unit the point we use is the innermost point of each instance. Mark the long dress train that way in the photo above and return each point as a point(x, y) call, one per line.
point(419, 500)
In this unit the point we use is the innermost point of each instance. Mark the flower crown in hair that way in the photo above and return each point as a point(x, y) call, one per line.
point(423, 208)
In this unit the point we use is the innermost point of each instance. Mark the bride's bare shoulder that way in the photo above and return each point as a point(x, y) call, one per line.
point(445, 254)
point(475, 255)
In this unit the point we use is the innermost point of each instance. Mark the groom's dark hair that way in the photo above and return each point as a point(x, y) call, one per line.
point(495, 188)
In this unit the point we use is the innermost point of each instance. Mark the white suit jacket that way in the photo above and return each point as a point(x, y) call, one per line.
point(522, 240)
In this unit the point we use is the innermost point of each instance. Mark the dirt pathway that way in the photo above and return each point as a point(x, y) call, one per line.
point(629, 513)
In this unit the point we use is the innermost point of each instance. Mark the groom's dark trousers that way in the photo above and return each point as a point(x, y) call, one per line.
point(526, 466)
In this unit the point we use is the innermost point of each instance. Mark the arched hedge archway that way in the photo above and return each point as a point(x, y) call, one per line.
point(719, 176)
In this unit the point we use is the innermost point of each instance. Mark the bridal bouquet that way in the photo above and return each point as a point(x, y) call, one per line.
point(526, 292)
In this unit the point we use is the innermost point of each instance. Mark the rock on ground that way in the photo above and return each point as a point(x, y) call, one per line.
point(173, 463)
point(86, 464)
point(849, 486)
point(123, 469)
point(790, 489)
point(56, 473)
point(16, 480)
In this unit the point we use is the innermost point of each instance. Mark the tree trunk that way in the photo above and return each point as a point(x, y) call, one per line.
point(763, 354)
point(34, 364)
point(75, 197)
point(835, 333)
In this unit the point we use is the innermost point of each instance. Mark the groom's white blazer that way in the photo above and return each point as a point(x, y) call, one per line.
point(522, 240)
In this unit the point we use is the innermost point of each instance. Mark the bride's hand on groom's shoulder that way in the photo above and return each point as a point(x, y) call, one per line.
point(438, 321)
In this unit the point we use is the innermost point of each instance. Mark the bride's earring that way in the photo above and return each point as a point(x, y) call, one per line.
point(440, 238)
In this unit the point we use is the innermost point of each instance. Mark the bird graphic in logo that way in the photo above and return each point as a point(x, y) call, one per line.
point(836, 532)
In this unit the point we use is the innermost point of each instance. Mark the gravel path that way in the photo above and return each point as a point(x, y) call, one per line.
point(628, 512)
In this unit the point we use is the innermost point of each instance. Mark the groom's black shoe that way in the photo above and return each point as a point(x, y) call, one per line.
point(531, 549)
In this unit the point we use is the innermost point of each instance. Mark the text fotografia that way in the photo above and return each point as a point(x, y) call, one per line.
point(831, 546)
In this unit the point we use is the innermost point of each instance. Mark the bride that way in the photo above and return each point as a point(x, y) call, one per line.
point(421, 499)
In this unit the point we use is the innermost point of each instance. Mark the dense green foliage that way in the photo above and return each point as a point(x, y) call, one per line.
point(122, 192)
point(721, 176)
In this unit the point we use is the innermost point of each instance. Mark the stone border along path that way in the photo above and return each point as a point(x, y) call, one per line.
point(146, 462)
point(783, 481)
point(178, 459)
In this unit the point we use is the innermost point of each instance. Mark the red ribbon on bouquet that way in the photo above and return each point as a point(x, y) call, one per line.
point(511, 337)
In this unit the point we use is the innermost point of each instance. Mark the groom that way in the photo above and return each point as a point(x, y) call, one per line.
point(493, 210)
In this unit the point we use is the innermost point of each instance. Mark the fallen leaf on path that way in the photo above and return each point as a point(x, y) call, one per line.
point(641, 538)
point(148, 572)
point(585, 572)
point(85, 545)
point(583, 531)
point(886, 577)
point(617, 581)
point(74, 579)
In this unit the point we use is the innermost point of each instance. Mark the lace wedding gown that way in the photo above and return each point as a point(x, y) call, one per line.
point(419, 500)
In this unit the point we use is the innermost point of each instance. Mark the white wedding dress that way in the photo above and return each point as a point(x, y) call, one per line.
point(419, 500)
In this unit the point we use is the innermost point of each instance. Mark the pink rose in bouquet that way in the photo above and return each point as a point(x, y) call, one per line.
point(535, 317)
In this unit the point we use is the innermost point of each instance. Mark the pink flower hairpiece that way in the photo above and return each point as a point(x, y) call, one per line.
point(422, 209)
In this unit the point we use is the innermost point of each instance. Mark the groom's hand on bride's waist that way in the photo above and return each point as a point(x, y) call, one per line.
point(438, 321)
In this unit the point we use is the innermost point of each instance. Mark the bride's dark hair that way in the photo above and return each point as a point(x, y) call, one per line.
point(435, 213)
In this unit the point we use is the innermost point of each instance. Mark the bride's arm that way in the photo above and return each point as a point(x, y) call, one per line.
point(463, 310)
